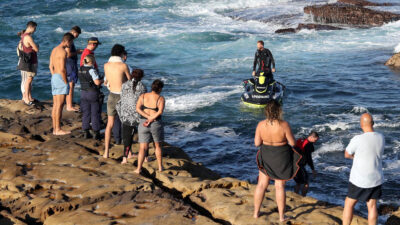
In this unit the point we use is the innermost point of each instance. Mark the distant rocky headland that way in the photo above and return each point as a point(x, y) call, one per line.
point(52, 180)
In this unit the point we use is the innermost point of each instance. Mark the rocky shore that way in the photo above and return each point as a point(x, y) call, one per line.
point(52, 180)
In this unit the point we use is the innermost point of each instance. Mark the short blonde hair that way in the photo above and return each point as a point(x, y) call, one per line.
point(89, 59)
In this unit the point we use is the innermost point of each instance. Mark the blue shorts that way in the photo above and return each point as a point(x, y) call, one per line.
point(58, 86)
point(72, 71)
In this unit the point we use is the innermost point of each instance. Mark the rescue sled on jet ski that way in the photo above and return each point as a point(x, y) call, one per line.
point(259, 91)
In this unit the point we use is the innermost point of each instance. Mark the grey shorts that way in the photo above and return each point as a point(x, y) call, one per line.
point(154, 132)
point(111, 103)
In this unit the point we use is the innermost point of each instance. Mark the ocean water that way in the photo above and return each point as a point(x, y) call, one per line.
point(202, 55)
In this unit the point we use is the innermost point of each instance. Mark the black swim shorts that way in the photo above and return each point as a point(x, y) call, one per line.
point(364, 194)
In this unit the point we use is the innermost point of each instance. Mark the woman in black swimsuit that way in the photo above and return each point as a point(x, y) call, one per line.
point(276, 158)
point(150, 106)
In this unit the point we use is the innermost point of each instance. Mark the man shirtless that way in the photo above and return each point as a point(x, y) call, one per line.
point(117, 72)
point(59, 83)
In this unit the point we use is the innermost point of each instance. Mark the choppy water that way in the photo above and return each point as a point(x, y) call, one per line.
point(202, 55)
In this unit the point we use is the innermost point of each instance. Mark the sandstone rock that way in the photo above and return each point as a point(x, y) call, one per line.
point(350, 14)
point(364, 3)
point(235, 206)
point(309, 26)
point(394, 61)
point(65, 180)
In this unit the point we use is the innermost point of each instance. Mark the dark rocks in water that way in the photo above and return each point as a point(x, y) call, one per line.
point(312, 26)
point(364, 3)
point(394, 219)
point(385, 209)
point(350, 14)
point(285, 31)
point(308, 26)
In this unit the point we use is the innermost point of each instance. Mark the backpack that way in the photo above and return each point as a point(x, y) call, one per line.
point(24, 59)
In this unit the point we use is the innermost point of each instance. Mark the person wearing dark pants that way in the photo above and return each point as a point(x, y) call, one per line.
point(126, 108)
point(117, 129)
point(305, 147)
point(90, 95)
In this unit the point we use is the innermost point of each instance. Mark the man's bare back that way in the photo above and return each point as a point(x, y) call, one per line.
point(57, 62)
point(116, 74)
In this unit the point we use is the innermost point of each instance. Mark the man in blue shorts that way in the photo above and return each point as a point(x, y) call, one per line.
point(366, 176)
point(59, 82)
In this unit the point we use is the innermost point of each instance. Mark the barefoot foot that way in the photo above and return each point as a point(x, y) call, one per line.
point(137, 171)
point(124, 161)
point(72, 109)
point(131, 155)
point(61, 132)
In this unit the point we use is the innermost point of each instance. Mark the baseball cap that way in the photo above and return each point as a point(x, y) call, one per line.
point(94, 40)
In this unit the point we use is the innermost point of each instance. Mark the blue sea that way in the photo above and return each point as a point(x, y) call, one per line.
point(202, 55)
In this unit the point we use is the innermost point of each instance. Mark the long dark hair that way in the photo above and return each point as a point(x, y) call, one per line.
point(273, 111)
point(137, 75)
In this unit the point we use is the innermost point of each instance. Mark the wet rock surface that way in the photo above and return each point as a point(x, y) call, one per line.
point(64, 180)
point(308, 26)
point(364, 3)
point(347, 14)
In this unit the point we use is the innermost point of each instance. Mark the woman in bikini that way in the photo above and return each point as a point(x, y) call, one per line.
point(276, 158)
point(151, 106)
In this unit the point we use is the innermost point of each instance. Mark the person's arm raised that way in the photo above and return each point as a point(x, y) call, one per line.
point(127, 74)
point(160, 105)
point(69, 53)
point(257, 137)
point(289, 135)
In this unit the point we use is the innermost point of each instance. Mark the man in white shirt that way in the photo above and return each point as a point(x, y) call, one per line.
point(366, 176)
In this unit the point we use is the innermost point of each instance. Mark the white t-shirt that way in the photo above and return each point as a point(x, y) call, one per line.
point(367, 148)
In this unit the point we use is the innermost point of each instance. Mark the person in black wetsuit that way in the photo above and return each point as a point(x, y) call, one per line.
point(264, 60)
point(305, 146)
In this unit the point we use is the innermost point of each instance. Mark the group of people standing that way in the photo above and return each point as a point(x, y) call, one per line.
point(130, 108)
point(141, 111)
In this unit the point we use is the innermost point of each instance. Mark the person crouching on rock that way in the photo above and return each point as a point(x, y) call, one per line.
point(276, 159)
point(306, 148)
point(90, 97)
point(151, 106)
point(126, 108)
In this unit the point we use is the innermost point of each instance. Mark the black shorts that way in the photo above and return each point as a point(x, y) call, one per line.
point(364, 194)
point(301, 176)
